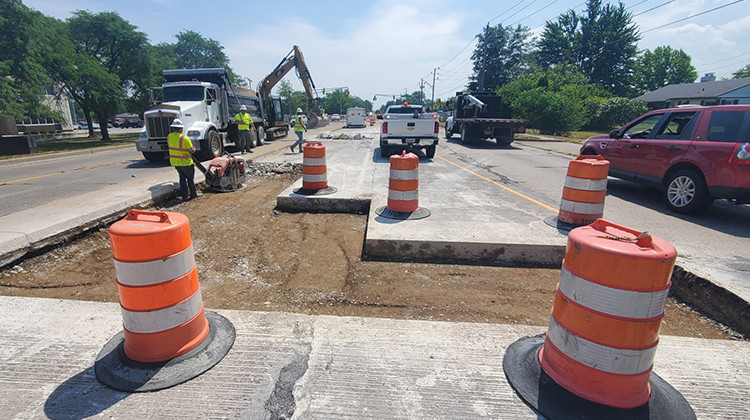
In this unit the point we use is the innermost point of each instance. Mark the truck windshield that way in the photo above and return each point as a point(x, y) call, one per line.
point(183, 93)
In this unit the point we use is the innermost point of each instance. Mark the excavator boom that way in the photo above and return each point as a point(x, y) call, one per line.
point(292, 60)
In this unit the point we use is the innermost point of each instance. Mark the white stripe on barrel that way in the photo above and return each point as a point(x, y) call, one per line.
point(155, 272)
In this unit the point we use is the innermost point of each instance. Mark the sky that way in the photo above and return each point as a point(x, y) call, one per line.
point(387, 47)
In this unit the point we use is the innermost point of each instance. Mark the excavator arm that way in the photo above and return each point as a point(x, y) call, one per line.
point(292, 60)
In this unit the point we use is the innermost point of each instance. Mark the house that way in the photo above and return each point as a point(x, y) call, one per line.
point(722, 92)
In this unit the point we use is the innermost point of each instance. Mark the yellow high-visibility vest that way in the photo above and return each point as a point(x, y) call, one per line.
point(244, 121)
point(298, 125)
point(179, 149)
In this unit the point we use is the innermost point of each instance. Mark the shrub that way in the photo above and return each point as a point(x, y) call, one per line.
point(615, 112)
point(550, 112)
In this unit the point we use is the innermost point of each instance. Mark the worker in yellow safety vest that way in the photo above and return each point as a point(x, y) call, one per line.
point(180, 150)
point(299, 127)
point(244, 121)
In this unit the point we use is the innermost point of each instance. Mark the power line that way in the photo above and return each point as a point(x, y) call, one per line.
point(692, 16)
point(519, 11)
point(512, 7)
point(538, 10)
point(654, 8)
point(462, 50)
point(640, 2)
point(726, 59)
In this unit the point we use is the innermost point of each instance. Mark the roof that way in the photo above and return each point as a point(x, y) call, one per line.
point(695, 90)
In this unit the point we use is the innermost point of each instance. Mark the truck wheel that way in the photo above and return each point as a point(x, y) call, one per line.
point(211, 146)
point(466, 134)
point(384, 152)
point(448, 133)
point(261, 135)
point(154, 156)
point(253, 140)
point(430, 151)
point(685, 192)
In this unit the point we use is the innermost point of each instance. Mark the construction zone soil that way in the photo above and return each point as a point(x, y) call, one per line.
point(253, 257)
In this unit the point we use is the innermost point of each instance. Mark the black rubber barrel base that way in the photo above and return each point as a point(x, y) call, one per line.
point(420, 213)
point(116, 370)
point(543, 394)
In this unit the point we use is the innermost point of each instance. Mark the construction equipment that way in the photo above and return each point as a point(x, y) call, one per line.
point(295, 59)
point(483, 115)
point(224, 173)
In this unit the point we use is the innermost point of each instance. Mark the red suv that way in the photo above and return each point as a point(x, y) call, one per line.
point(694, 154)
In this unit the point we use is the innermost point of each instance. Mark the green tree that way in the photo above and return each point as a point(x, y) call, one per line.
point(503, 52)
point(193, 51)
point(601, 43)
point(336, 102)
point(743, 72)
point(615, 112)
point(23, 44)
point(291, 99)
point(664, 66)
point(110, 54)
point(161, 57)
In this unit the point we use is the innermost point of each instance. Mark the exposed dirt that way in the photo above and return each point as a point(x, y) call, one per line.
point(253, 257)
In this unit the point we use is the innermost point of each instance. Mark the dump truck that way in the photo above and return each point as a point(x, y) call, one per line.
point(206, 103)
point(483, 115)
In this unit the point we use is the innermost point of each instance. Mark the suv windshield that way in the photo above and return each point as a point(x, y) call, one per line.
point(183, 93)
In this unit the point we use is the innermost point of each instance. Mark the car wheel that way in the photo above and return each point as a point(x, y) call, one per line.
point(685, 192)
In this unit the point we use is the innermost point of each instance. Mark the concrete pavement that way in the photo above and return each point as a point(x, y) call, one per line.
point(317, 367)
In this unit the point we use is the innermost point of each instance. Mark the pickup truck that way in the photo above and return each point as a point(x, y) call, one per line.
point(409, 127)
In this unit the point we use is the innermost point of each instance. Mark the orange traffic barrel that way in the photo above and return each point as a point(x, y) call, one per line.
point(403, 184)
point(314, 176)
point(599, 348)
point(403, 189)
point(584, 191)
point(157, 280)
point(314, 171)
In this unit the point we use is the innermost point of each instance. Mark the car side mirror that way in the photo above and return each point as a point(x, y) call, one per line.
point(380, 117)
point(614, 134)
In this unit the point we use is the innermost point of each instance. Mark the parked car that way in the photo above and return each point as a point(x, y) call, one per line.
point(693, 154)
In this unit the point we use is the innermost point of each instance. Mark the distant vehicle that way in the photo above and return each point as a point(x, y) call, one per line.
point(483, 115)
point(335, 117)
point(409, 127)
point(355, 117)
point(694, 155)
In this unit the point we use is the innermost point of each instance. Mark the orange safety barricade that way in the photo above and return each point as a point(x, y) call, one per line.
point(585, 188)
point(157, 280)
point(403, 185)
point(602, 336)
point(314, 176)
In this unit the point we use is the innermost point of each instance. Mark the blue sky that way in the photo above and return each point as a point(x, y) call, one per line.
point(388, 46)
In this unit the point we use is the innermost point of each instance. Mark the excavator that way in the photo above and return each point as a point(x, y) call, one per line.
point(295, 59)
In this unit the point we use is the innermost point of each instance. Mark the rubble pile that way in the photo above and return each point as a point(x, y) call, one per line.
point(271, 169)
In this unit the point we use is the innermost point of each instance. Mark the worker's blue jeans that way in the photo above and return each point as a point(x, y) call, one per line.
point(298, 142)
point(187, 174)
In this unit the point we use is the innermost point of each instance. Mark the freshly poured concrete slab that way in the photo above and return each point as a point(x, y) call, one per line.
point(471, 219)
point(286, 365)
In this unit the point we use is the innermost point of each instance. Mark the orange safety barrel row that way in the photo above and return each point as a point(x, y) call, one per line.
point(157, 280)
point(314, 176)
point(602, 337)
point(584, 191)
point(403, 184)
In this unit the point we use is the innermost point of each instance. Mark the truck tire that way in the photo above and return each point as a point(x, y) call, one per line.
point(253, 140)
point(212, 146)
point(154, 156)
point(384, 151)
point(448, 134)
point(467, 134)
point(261, 135)
point(685, 192)
point(430, 151)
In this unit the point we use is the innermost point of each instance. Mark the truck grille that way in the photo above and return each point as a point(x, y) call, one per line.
point(158, 127)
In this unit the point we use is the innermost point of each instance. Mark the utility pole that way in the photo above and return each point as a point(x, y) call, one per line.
point(433, 86)
point(484, 56)
point(421, 90)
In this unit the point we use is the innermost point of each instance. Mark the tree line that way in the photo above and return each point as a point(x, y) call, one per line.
point(582, 72)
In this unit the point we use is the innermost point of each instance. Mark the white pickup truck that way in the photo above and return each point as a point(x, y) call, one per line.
point(409, 127)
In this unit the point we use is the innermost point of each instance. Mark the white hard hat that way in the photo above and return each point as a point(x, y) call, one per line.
point(243, 108)
point(299, 110)
point(177, 123)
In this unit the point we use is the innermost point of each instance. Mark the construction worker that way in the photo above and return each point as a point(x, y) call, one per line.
point(299, 127)
point(180, 150)
point(244, 121)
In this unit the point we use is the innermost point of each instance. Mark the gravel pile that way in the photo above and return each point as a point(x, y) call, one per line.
point(270, 169)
